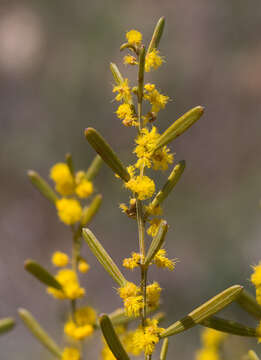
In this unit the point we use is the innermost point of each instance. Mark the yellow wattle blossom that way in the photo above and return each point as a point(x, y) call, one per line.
point(69, 210)
point(143, 186)
point(71, 354)
point(133, 302)
point(133, 305)
point(130, 60)
point(153, 292)
point(157, 100)
point(134, 37)
point(60, 259)
point(125, 113)
point(71, 288)
point(146, 143)
point(256, 276)
point(83, 266)
point(84, 189)
point(145, 340)
point(161, 260)
point(64, 182)
point(154, 227)
point(123, 90)
point(134, 261)
point(130, 289)
point(83, 324)
point(153, 60)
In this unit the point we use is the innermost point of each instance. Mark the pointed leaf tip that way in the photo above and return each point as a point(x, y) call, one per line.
point(6, 325)
point(41, 274)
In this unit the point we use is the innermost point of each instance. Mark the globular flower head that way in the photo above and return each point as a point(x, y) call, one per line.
point(69, 210)
point(71, 288)
point(161, 260)
point(153, 292)
point(71, 354)
point(134, 37)
point(207, 354)
point(123, 90)
point(64, 182)
point(129, 289)
point(130, 60)
point(212, 338)
point(60, 259)
point(83, 323)
point(146, 339)
point(256, 276)
point(134, 261)
point(133, 305)
point(83, 266)
point(84, 189)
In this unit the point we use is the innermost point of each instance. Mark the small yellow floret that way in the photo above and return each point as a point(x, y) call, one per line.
point(130, 60)
point(143, 186)
point(64, 182)
point(69, 210)
point(147, 339)
point(134, 261)
point(82, 326)
point(256, 276)
point(153, 60)
point(133, 305)
point(78, 332)
point(83, 266)
point(71, 288)
point(153, 292)
point(157, 100)
point(130, 289)
point(125, 113)
point(60, 259)
point(134, 37)
point(154, 227)
point(123, 90)
point(71, 354)
point(84, 189)
point(161, 260)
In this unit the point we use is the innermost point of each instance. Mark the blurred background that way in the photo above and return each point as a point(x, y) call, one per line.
point(55, 81)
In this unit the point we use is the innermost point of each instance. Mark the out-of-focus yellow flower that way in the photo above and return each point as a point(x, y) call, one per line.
point(134, 261)
point(71, 354)
point(212, 338)
point(71, 288)
point(134, 37)
point(207, 354)
point(256, 276)
point(69, 210)
point(154, 227)
point(130, 60)
point(83, 266)
point(84, 189)
point(60, 259)
point(64, 182)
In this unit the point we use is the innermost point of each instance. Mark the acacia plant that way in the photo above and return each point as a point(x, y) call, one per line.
point(135, 329)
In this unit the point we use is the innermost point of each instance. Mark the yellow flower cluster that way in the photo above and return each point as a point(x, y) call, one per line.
point(66, 184)
point(132, 262)
point(82, 325)
point(71, 288)
point(211, 341)
point(71, 354)
point(154, 226)
point(162, 261)
point(83, 266)
point(133, 301)
point(146, 339)
point(153, 60)
point(153, 292)
point(146, 143)
point(125, 113)
point(134, 37)
point(158, 101)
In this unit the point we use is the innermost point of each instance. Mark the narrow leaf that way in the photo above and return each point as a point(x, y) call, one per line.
point(94, 168)
point(103, 257)
point(229, 326)
point(118, 317)
point(41, 274)
point(204, 311)
point(90, 211)
point(141, 73)
point(180, 126)
point(158, 31)
point(6, 325)
point(170, 184)
point(156, 243)
point(116, 73)
point(38, 332)
point(42, 186)
point(112, 338)
point(164, 349)
point(249, 304)
point(106, 153)
point(69, 162)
